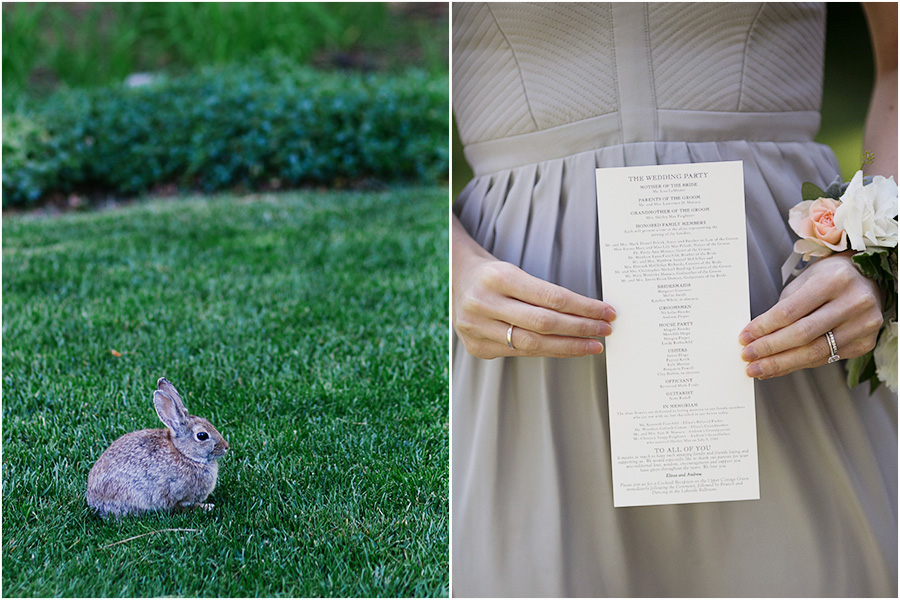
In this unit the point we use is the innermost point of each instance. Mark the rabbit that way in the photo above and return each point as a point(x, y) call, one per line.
point(158, 469)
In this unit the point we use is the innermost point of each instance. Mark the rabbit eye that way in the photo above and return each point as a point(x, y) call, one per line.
point(202, 436)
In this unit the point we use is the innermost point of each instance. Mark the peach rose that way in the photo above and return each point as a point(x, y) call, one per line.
point(813, 221)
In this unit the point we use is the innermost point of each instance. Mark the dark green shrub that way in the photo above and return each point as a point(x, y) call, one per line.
point(242, 126)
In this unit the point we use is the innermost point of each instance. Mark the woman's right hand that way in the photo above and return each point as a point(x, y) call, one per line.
point(489, 295)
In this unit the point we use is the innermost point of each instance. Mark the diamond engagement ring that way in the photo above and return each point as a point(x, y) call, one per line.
point(832, 346)
point(509, 338)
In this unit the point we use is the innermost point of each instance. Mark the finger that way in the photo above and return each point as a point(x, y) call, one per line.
point(810, 355)
point(814, 354)
point(819, 283)
point(546, 321)
point(538, 292)
point(487, 338)
point(530, 343)
point(797, 334)
point(786, 311)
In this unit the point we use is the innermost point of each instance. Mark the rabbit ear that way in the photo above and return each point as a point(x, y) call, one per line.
point(170, 410)
point(168, 389)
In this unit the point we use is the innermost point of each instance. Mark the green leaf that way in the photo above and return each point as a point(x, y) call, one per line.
point(874, 263)
point(880, 265)
point(862, 369)
point(811, 191)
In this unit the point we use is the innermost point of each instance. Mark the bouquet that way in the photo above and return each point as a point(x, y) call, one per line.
point(859, 215)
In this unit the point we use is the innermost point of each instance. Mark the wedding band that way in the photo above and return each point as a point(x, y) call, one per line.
point(832, 346)
point(509, 338)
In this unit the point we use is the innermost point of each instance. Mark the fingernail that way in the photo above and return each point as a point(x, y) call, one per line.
point(754, 370)
point(605, 329)
point(595, 347)
point(746, 338)
point(749, 354)
point(609, 315)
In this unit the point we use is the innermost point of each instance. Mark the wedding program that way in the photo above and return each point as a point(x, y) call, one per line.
point(673, 256)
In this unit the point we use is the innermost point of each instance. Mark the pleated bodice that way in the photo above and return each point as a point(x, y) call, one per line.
point(597, 75)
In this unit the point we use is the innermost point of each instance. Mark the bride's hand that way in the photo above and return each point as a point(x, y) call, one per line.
point(829, 295)
point(490, 295)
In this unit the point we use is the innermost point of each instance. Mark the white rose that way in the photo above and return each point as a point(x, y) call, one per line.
point(867, 212)
point(886, 356)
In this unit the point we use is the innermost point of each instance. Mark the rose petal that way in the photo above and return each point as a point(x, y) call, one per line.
point(840, 245)
point(867, 212)
point(811, 247)
point(798, 218)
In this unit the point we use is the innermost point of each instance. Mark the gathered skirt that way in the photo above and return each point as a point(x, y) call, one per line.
point(532, 511)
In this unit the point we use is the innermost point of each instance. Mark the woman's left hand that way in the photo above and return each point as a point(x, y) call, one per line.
point(829, 295)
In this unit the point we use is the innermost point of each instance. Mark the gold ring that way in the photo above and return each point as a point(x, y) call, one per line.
point(509, 338)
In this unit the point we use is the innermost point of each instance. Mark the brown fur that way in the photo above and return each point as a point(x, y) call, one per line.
point(158, 469)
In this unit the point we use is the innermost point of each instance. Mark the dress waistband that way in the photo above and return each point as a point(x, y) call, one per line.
point(671, 126)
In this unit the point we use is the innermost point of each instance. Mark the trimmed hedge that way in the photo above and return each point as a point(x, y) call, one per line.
point(242, 126)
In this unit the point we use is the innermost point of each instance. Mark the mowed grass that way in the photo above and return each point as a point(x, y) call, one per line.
point(309, 327)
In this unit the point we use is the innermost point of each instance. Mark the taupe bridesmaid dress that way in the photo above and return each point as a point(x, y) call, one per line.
point(543, 94)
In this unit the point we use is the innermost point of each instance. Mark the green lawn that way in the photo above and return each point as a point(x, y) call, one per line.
point(309, 327)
